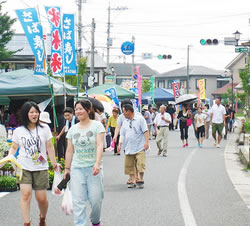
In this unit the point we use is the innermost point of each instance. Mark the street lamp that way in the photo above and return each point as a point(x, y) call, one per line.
point(237, 36)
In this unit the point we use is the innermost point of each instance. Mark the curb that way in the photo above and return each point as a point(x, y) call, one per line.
point(239, 178)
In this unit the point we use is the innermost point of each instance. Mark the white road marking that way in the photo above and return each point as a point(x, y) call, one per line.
point(2, 194)
point(186, 210)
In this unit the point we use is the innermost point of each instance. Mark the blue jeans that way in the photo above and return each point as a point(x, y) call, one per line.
point(86, 187)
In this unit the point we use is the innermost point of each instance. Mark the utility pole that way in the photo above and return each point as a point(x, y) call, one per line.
point(133, 55)
point(79, 43)
point(108, 32)
point(108, 37)
point(188, 69)
point(92, 68)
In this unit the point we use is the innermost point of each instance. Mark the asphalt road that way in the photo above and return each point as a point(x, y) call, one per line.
point(189, 187)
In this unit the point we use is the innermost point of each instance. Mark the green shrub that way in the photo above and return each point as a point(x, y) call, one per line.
point(7, 182)
point(247, 126)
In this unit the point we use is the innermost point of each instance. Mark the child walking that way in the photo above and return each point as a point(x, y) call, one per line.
point(200, 122)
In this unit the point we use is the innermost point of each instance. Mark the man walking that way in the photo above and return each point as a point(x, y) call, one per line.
point(135, 138)
point(148, 119)
point(218, 119)
point(162, 121)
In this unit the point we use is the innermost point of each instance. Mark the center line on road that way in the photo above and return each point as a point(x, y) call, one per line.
point(186, 210)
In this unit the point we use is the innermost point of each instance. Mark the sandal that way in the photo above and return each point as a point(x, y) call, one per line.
point(140, 184)
point(129, 181)
point(132, 185)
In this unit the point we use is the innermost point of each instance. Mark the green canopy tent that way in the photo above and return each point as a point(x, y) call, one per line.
point(4, 100)
point(23, 84)
point(121, 92)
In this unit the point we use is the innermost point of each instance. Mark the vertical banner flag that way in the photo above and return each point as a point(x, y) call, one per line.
point(113, 95)
point(69, 55)
point(152, 89)
point(139, 85)
point(34, 33)
point(201, 87)
point(176, 89)
point(56, 61)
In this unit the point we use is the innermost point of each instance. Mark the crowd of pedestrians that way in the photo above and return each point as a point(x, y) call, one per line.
point(82, 140)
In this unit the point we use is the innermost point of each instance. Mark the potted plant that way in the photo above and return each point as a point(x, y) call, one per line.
point(7, 184)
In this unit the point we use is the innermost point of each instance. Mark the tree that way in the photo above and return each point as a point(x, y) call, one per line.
point(72, 80)
point(82, 68)
point(6, 34)
point(145, 86)
point(226, 98)
point(245, 80)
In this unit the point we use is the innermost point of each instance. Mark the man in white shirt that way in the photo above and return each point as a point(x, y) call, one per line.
point(217, 117)
point(162, 121)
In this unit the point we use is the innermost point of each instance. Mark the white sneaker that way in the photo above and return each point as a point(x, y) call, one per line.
point(215, 144)
point(218, 146)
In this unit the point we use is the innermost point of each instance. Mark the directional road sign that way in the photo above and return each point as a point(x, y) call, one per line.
point(241, 50)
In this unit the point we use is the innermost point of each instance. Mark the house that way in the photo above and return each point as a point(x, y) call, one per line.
point(220, 91)
point(237, 65)
point(213, 79)
point(124, 71)
point(234, 68)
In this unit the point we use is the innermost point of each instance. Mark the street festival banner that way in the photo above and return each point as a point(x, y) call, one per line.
point(111, 92)
point(139, 85)
point(69, 57)
point(176, 89)
point(34, 33)
point(201, 87)
point(54, 18)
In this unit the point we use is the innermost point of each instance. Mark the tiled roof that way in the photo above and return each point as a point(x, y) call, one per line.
point(193, 70)
point(225, 88)
point(126, 69)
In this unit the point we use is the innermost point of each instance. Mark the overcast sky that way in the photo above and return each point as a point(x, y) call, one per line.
point(159, 27)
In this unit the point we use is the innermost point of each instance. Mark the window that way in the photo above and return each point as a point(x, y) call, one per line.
point(161, 84)
point(196, 83)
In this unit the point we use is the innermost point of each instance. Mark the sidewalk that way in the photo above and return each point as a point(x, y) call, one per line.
point(239, 177)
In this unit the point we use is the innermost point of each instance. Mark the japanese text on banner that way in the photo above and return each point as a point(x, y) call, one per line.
point(139, 84)
point(69, 57)
point(176, 89)
point(54, 18)
point(201, 86)
point(34, 32)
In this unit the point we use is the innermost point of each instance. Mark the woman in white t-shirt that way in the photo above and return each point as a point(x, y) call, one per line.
point(84, 164)
point(200, 122)
point(33, 139)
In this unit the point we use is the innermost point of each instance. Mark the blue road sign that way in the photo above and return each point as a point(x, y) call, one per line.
point(128, 48)
point(135, 76)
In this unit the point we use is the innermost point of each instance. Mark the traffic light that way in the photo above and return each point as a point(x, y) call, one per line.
point(164, 56)
point(209, 42)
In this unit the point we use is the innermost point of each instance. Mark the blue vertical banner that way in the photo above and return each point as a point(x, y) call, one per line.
point(69, 57)
point(34, 33)
point(111, 92)
point(56, 61)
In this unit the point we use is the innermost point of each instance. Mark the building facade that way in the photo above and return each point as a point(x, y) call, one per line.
point(214, 79)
